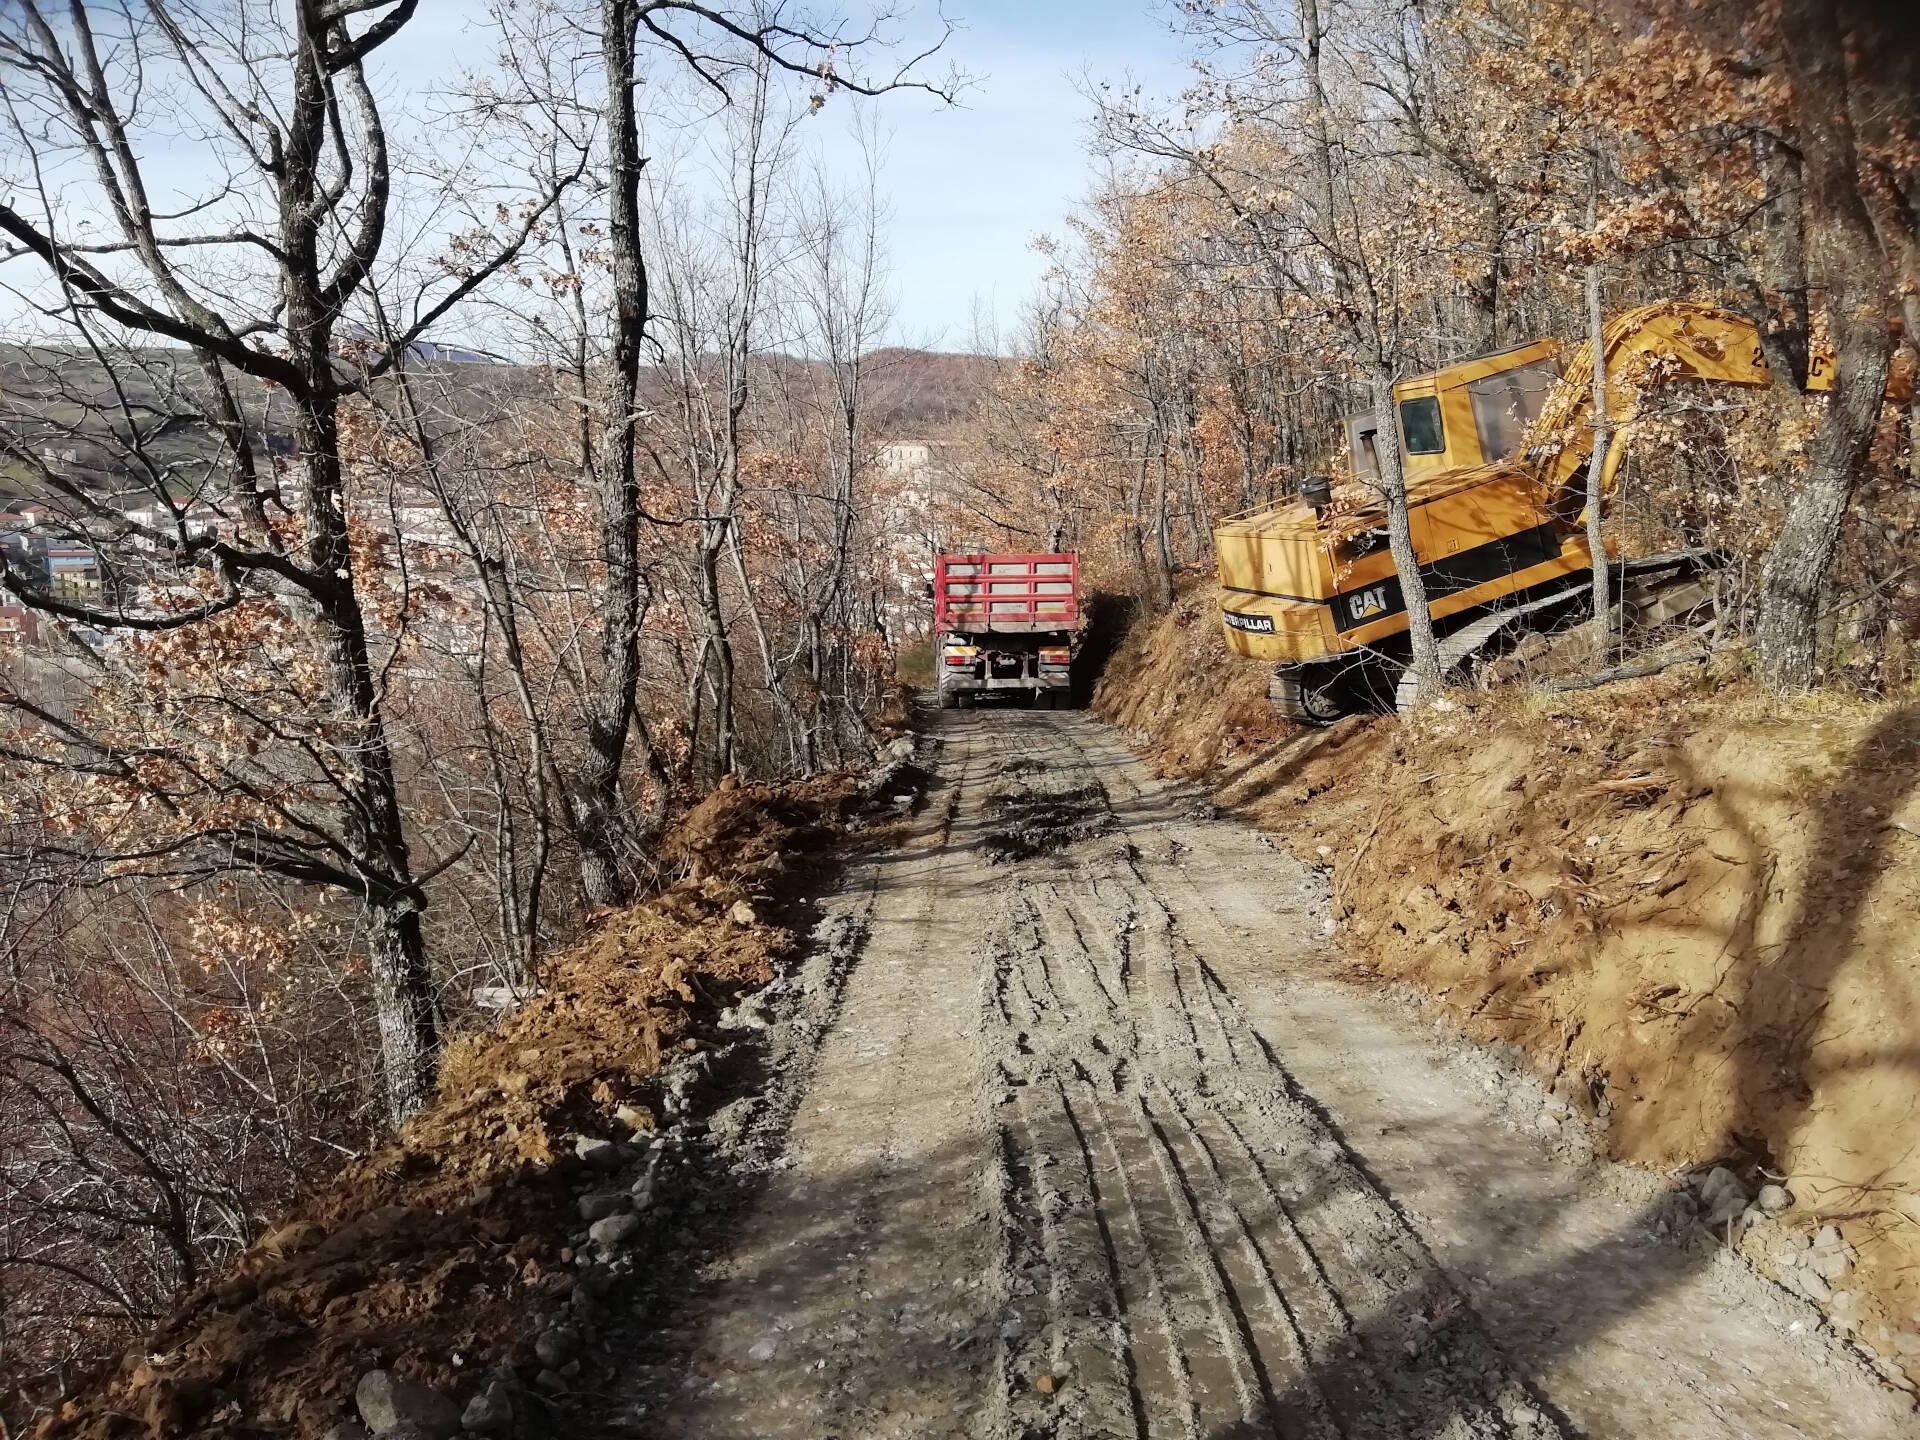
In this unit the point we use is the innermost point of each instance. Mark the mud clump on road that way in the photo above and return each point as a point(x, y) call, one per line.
point(1027, 823)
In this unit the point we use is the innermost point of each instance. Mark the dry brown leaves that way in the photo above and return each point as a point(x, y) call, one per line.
point(431, 1254)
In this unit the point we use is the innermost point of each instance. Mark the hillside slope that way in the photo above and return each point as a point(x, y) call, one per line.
point(1692, 907)
point(438, 1255)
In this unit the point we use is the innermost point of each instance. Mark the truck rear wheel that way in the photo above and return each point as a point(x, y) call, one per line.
point(949, 700)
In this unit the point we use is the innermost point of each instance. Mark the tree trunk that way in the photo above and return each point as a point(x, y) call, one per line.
point(719, 650)
point(1883, 44)
point(810, 755)
point(596, 805)
point(1847, 262)
point(408, 1022)
point(1162, 544)
point(1369, 339)
point(407, 1016)
point(1602, 628)
point(1424, 661)
point(1486, 290)
point(696, 707)
point(1777, 300)
point(1137, 531)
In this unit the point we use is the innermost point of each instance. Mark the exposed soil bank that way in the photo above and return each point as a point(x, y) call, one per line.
point(435, 1255)
point(1695, 910)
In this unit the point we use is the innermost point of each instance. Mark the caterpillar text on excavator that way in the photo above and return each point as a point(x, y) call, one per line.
point(1310, 586)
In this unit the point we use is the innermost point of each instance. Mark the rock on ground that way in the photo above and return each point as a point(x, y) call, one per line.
point(602, 1154)
point(490, 1412)
point(387, 1402)
point(615, 1230)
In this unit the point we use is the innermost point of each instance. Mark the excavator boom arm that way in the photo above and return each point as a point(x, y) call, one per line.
point(1645, 348)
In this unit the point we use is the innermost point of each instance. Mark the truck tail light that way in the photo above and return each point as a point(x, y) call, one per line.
point(1056, 655)
point(961, 654)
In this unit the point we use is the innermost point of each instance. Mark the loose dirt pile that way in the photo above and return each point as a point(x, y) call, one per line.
point(1030, 818)
point(1692, 907)
point(431, 1256)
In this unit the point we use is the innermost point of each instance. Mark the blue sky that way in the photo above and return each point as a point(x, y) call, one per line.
point(969, 186)
point(972, 186)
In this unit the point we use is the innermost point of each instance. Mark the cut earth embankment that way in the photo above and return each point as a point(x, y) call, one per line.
point(1693, 908)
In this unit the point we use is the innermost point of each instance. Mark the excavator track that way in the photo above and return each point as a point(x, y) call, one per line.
point(1459, 650)
point(1309, 702)
point(1653, 590)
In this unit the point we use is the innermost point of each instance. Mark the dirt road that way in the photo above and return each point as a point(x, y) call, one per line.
point(1095, 1144)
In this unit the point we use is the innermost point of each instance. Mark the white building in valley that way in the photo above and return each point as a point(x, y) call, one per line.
point(911, 482)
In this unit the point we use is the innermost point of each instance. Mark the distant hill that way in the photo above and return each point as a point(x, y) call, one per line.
point(917, 391)
point(59, 404)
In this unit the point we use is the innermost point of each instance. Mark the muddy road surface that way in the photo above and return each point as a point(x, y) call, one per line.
point(1092, 1141)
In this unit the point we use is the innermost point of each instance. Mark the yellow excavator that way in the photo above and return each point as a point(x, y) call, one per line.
point(1309, 585)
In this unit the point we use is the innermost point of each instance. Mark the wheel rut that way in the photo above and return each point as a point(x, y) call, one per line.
point(1056, 1173)
point(1189, 1248)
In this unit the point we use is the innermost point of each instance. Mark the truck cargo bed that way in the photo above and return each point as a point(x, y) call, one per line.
point(1005, 623)
point(1006, 594)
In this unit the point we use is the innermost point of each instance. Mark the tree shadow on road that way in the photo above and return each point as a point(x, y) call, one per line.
point(663, 1376)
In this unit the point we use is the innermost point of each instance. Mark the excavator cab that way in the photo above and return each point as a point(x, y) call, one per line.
point(1468, 414)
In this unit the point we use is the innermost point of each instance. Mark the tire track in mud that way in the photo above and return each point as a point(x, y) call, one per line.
point(1190, 1250)
point(1045, 1178)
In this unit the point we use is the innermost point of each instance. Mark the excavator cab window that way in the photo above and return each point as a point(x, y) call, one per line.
point(1420, 425)
point(1504, 405)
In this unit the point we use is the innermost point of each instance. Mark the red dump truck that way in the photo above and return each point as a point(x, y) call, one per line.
point(1005, 622)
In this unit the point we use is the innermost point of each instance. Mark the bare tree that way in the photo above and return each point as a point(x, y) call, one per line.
point(1315, 206)
point(298, 222)
point(735, 54)
point(840, 274)
point(158, 1113)
point(1846, 262)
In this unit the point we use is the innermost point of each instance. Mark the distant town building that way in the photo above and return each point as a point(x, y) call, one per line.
point(915, 478)
point(17, 625)
point(906, 457)
point(73, 573)
point(67, 569)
